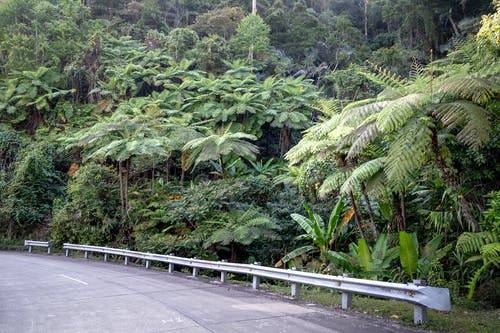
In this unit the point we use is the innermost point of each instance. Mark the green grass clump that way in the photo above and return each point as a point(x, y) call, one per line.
point(465, 316)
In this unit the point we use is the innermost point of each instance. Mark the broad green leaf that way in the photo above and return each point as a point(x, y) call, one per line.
point(408, 254)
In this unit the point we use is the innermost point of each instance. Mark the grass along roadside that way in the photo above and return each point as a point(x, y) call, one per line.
point(461, 319)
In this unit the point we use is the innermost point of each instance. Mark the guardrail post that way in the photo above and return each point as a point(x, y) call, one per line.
point(86, 255)
point(49, 248)
point(106, 257)
point(126, 259)
point(295, 287)
point(346, 297)
point(419, 311)
point(223, 275)
point(148, 263)
point(255, 279)
point(30, 249)
point(170, 265)
point(196, 270)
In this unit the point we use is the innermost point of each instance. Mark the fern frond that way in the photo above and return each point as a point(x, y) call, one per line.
point(476, 89)
point(384, 77)
point(376, 185)
point(306, 149)
point(322, 130)
point(362, 174)
point(360, 103)
point(416, 70)
point(394, 115)
point(473, 241)
point(353, 116)
point(491, 251)
point(475, 278)
point(327, 107)
point(365, 134)
point(333, 183)
point(476, 126)
point(406, 154)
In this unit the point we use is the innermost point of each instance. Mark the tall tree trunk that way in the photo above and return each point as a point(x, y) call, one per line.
point(373, 226)
point(357, 215)
point(284, 140)
point(452, 181)
point(120, 177)
point(10, 229)
point(399, 219)
point(254, 7)
point(127, 171)
point(366, 18)
point(184, 159)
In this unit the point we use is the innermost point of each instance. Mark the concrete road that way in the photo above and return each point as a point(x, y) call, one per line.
point(40, 293)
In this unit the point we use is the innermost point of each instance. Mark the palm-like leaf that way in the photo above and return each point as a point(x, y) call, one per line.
point(363, 173)
point(398, 112)
point(216, 145)
point(473, 119)
point(472, 88)
point(406, 154)
point(408, 253)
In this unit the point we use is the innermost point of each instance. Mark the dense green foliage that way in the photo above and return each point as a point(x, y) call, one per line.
point(196, 128)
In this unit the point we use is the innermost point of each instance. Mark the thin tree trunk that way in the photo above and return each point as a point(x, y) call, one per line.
point(184, 158)
point(373, 226)
point(10, 229)
point(453, 25)
point(366, 18)
point(403, 211)
point(120, 177)
point(452, 182)
point(284, 140)
point(254, 7)
point(399, 215)
point(153, 176)
point(233, 252)
point(127, 168)
point(357, 218)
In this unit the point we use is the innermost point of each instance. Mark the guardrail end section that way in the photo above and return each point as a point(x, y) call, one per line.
point(436, 298)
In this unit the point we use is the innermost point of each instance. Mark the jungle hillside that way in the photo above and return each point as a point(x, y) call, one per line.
point(335, 136)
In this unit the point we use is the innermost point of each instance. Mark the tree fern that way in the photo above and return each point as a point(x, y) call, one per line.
point(488, 245)
point(363, 173)
point(327, 107)
point(353, 116)
point(472, 88)
point(395, 115)
point(383, 77)
point(364, 135)
point(333, 182)
point(406, 154)
point(473, 241)
point(471, 117)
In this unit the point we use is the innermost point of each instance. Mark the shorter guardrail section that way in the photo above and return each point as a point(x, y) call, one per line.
point(31, 243)
point(422, 297)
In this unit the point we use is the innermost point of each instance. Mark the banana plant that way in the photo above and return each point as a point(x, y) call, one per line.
point(322, 235)
point(365, 261)
point(418, 262)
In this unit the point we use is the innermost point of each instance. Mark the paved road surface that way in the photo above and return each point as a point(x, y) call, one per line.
point(40, 293)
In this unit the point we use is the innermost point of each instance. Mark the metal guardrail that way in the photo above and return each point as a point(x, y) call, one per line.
point(31, 243)
point(422, 297)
